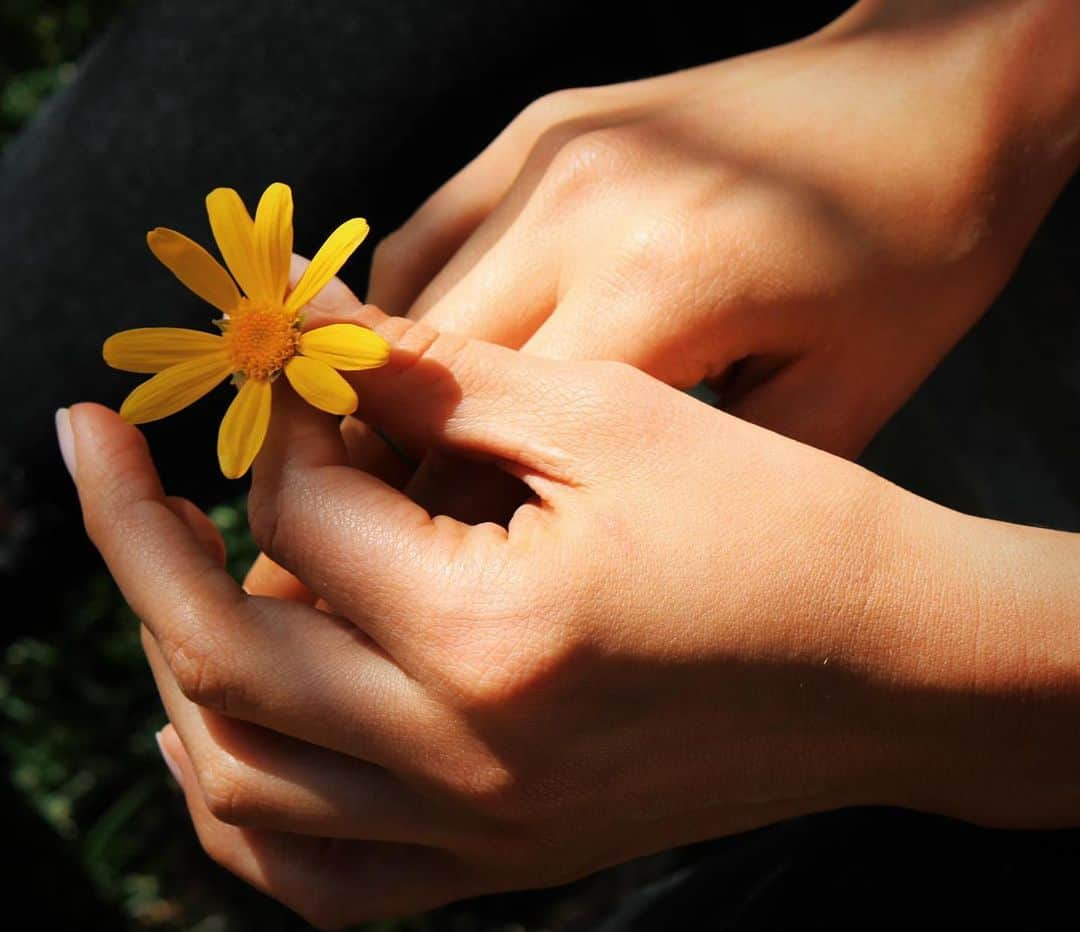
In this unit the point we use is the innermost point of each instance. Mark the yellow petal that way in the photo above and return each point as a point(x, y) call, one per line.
point(345, 346)
point(152, 349)
point(328, 260)
point(320, 385)
point(243, 428)
point(195, 267)
point(234, 231)
point(274, 238)
point(175, 388)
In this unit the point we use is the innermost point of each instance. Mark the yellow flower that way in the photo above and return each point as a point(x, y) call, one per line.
point(260, 329)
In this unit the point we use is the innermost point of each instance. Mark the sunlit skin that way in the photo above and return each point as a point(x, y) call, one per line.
point(695, 625)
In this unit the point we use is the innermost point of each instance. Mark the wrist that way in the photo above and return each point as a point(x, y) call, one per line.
point(978, 660)
point(1007, 74)
point(1026, 54)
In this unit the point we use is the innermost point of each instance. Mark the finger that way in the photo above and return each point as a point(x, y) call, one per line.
point(257, 778)
point(477, 399)
point(220, 642)
point(501, 284)
point(205, 531)
point(378, 551)
point(410, 258)
point(329, 882)
point(366, 450)
point(336, 303)
point(375, 550)
point(407, 260)
point(430, 376)
point(598, 320)
point(807, 402)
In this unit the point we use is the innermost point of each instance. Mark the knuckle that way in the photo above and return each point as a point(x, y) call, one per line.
point(661, 249)
point(492, 791)
point(580, 159)
point(228, 791)
point(200, 674)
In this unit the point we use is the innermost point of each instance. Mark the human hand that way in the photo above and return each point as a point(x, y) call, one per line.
point(695, 627)
point(811, 227)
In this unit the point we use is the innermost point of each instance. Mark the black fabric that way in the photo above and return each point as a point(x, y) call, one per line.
point(364, 108)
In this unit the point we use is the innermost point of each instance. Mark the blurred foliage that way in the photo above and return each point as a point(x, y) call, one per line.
point(39, 42)
point(78, 715)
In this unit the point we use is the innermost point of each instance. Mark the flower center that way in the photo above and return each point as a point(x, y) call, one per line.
point(260, 338)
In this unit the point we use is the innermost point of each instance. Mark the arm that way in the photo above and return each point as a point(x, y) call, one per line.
point(812, 226)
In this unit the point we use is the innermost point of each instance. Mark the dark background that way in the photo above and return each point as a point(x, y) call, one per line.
point(97, 836)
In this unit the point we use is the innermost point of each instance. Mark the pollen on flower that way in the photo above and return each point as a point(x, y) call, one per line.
point(260, 338)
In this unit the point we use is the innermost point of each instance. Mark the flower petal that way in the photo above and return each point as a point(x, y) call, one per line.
point(195, 267)
point(152, 349)
point(274, 238)
point(320, 385)
point(345, 346)
point(243, 428)
point(175, 388)
point(234, 231)
point(328, 260)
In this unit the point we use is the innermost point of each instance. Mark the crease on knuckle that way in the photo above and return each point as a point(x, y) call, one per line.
point(201, 676)
point(228, 791)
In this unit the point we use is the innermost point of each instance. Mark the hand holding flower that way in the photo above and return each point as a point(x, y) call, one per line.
point(694, 627)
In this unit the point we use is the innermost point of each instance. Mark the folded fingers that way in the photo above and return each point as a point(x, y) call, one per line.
point(330, 882)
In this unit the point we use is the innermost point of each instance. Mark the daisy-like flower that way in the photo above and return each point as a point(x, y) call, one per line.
point(260, 328)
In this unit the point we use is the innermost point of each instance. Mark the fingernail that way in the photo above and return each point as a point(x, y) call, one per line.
point(66, 439)
point(174, 767)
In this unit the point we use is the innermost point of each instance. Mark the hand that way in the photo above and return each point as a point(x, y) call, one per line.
point(811, 227)
point(695, 627)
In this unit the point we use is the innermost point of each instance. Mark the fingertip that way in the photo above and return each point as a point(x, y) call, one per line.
point(112, 456)
point(173, 753)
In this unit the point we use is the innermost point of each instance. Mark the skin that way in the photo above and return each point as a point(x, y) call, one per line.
point(421, 709)
point(783, 631)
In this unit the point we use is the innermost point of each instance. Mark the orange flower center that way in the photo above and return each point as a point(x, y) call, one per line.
point(260, 338)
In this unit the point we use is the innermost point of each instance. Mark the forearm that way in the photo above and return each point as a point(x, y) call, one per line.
point(985, 638)
point(1009, 71)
